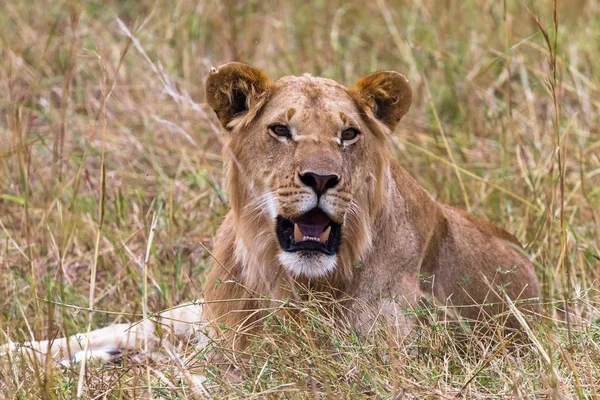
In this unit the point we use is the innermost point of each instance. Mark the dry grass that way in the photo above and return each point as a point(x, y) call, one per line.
point(101, 134)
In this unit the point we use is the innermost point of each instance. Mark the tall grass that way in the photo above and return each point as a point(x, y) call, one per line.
point(111, 183)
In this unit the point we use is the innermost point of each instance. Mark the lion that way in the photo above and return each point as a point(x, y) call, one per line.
point(320, 205)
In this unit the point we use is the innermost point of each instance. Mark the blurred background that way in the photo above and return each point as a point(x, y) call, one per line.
point(105, 129)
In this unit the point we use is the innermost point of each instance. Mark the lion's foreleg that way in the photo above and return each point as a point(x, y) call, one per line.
point(105, 343)
point(183, 322)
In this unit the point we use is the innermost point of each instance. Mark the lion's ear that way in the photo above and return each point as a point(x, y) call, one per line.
point(386, 93)
point(232, 88)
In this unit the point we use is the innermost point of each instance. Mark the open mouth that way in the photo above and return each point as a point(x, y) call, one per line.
point(312, 231)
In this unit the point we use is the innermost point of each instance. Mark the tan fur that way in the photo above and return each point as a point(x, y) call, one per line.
point(112, 342)
point(410, 245)
point(398, 244)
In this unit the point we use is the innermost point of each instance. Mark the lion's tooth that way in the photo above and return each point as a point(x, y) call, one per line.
point(325, 235)
point(297, 233)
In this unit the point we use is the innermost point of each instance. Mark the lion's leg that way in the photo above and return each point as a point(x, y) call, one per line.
point(182, 322)
point(103, 344)
point(367, 317)
point(394, 308)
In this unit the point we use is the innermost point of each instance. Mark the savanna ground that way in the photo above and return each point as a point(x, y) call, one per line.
point(105, 133)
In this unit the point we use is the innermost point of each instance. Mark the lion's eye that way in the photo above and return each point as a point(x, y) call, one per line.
point(350, 134)
point(281, 130)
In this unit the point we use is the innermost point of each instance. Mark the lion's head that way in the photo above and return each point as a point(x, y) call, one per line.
point(307, 159)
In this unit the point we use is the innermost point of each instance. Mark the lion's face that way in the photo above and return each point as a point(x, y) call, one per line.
point(309, 148)
point(307, 156)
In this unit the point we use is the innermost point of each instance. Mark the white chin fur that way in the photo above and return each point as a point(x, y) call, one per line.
point(307, 264)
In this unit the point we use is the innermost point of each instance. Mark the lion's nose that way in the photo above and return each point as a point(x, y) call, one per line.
point(319, 183)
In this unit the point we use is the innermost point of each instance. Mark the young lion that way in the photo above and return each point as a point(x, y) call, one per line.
point(319, 204)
